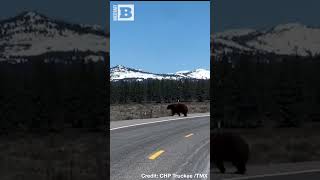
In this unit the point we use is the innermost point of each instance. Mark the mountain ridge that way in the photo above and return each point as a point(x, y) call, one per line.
point(283, 39)
point(32, 34)
point(120, 72)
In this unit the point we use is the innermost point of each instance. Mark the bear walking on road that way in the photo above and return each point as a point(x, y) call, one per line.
point(178, 108)
point(229, 147)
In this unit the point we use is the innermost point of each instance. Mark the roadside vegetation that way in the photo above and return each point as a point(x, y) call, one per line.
point(151, 110)
point(53, 121)
point(273, 102)
point(132, 99)
point(54, 156)
point(281, 145)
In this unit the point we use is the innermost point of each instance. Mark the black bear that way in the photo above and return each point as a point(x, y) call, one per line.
point(229, 147)
point(178, 108)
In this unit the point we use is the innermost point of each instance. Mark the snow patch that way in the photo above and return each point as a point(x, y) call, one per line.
point(121, 72)
point(284, 39)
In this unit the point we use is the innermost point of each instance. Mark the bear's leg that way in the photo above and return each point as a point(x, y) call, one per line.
point(185, 114)
point(172, 113)
point(241, 167)
point(220, 166)
point(178, 113)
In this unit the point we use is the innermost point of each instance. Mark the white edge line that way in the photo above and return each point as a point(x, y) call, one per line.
point(275, 174)
point(157, 122)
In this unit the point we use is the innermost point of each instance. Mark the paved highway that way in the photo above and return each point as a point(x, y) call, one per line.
point(159, 148)
point(301, 176)
point(284, 171)
point(312, 175)
point(162, 148)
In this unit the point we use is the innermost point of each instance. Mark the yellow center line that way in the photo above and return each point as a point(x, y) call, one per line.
point(155, 155)
point(188, 135)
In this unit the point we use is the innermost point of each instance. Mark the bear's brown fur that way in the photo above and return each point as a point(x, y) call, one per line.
point(229, 147)
point(178, 108)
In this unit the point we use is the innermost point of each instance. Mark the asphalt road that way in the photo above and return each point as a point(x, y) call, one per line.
point(284, 171)
point(286, 176)
point(303, 176)
point(161, 150)
point(161, 147)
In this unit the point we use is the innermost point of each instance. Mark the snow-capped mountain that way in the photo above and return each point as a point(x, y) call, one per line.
point(32, 34)
point(195, 74)
point(284, 39)
point(120, 72)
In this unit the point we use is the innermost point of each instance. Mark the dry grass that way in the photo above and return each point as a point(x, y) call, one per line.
point(281, 145)
point(151, 110)
point(74, 156)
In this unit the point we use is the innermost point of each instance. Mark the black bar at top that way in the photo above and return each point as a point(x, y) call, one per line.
point(159, 0)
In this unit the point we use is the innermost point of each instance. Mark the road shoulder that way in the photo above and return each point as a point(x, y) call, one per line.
point(127, 123)
point(255, 171)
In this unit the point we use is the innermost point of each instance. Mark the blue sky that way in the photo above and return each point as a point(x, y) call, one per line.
point(165, 37)
point(229, 14)
point(226, 14)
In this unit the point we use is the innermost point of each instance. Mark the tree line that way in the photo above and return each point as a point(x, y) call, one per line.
point(159, 91)
point(39, 96)
point(253, 90)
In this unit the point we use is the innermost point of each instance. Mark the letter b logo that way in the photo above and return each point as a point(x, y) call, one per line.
point(125, 12)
